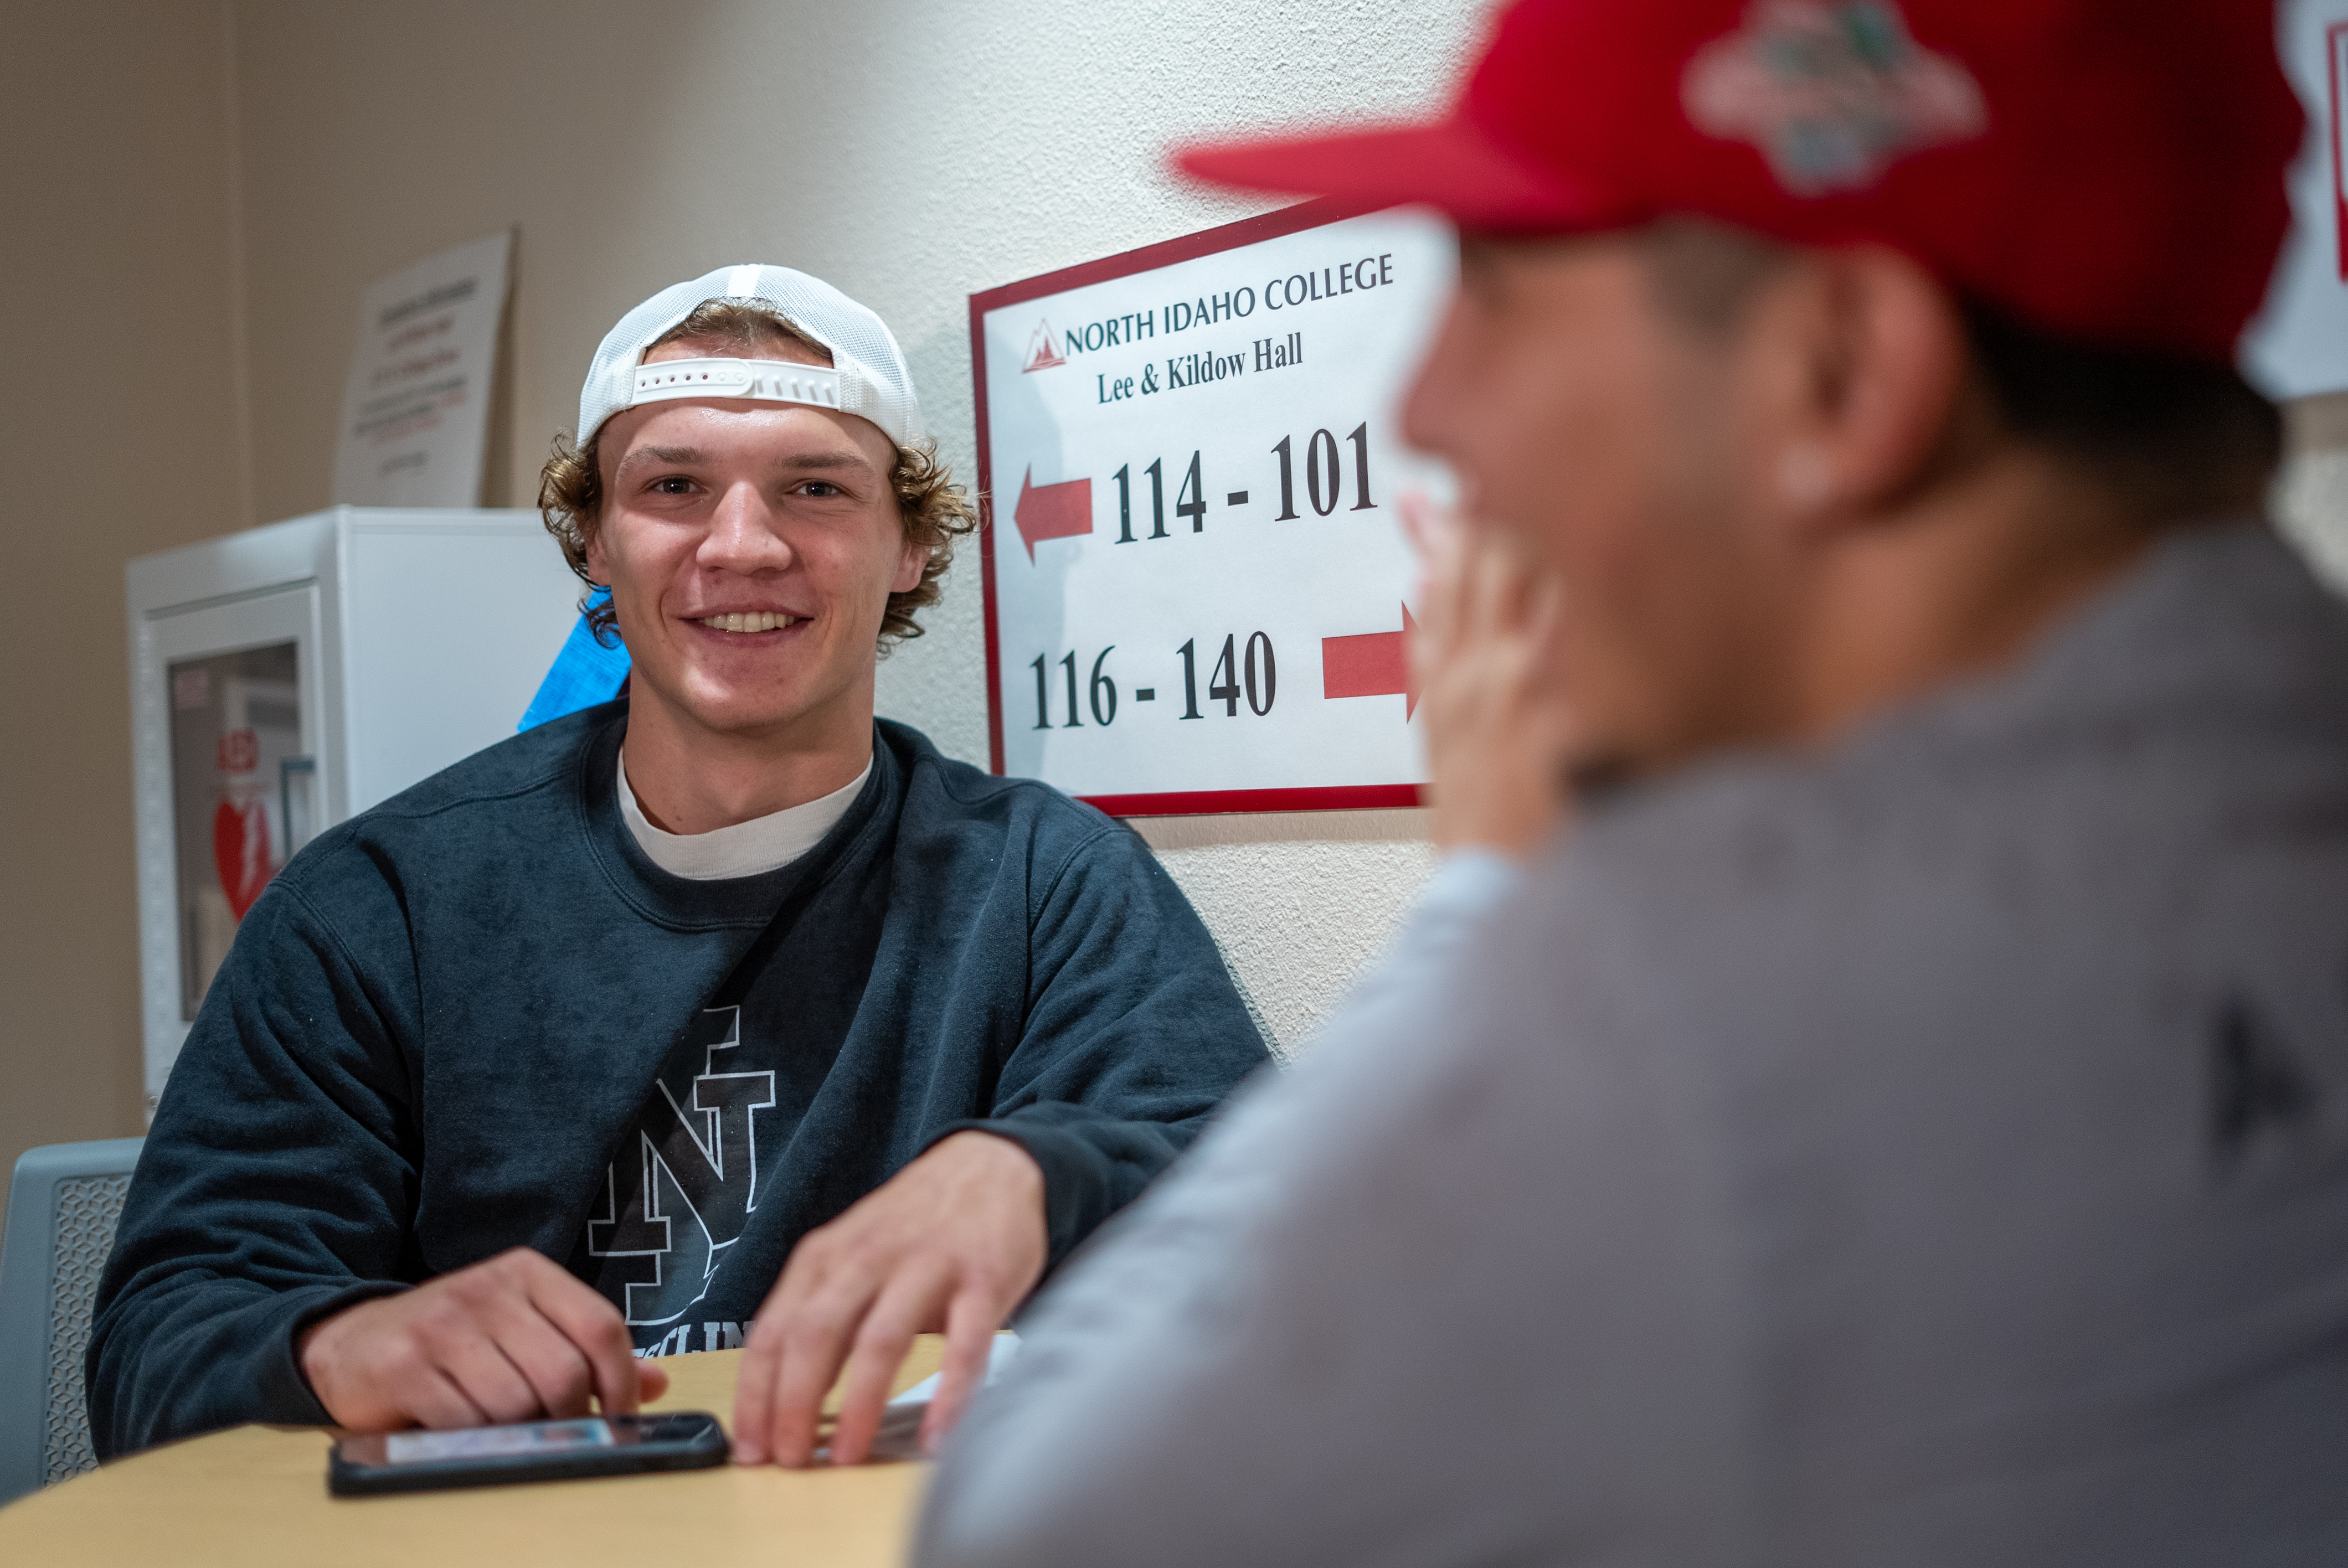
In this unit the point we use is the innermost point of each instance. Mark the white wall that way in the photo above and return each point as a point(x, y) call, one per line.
point(118, 435)
point(2311, 495)
point(911, 152)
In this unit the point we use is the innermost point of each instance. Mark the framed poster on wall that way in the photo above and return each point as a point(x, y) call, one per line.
point(1193, 564)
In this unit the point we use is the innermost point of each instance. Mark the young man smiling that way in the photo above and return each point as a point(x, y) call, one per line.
point(1902, 1117)
point(719, 1006)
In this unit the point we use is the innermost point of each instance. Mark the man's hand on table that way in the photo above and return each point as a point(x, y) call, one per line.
point(511, 1339)
point(953, 1243)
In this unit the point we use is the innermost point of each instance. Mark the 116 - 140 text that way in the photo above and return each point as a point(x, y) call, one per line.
point(1248, 673)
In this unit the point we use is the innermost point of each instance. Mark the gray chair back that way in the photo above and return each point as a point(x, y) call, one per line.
point(62, 1203)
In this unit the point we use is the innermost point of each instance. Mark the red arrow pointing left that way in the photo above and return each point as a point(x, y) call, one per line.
point(1051, 511)
point(1374, 664)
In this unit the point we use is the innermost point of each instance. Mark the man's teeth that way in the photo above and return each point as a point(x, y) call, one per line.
point(756, 620)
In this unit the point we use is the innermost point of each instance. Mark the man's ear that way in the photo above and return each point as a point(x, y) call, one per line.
point(594, 539)
point(1874, 359)
point(910, 567)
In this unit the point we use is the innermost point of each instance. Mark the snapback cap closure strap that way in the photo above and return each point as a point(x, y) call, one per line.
point(763, 380)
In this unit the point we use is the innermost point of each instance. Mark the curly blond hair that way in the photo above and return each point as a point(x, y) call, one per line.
point(935, 510)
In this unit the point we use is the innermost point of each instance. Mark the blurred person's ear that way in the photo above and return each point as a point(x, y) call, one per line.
point(1854, 388)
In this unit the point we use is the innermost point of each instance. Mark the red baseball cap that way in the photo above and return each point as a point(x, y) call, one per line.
point(2108, 170)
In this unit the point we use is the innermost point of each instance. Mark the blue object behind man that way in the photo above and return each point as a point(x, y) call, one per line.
point(587, 671)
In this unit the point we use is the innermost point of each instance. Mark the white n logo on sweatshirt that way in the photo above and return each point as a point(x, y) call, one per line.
point(682, 1195)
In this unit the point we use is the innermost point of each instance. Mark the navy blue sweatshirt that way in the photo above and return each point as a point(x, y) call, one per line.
point(478, 1017)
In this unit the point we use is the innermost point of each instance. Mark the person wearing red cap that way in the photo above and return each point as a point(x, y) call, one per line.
point(1868, 1084)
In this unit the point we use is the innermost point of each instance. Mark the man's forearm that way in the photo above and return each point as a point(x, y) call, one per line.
point(178, 1357)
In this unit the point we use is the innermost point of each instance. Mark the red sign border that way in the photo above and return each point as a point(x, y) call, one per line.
point(2332, 153)
point(1189, 247)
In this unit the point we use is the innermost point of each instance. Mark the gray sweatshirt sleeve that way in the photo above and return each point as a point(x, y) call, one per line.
point(1265, 1361)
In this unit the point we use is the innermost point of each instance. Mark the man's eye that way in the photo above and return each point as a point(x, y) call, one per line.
point(821, 487)
point(674, 485)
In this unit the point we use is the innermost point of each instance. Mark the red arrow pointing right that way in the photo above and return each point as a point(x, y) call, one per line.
point(1051, 511)
point(1373, 664)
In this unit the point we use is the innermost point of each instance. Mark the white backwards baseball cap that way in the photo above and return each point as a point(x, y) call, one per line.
point(867, 377)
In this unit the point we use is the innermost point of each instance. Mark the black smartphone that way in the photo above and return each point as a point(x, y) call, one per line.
point(530, 1451)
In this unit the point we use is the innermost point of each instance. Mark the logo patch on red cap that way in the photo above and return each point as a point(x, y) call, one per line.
point(1831, 91)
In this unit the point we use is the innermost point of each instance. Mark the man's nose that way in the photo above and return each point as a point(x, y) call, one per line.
point(744, 534)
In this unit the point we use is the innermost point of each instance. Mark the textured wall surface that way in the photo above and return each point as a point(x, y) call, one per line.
point(911, 152)
point(118, 435)
point(2311, 495)
point(2311, 507)
point(1300, 902)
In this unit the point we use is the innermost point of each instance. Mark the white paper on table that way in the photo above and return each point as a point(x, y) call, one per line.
point(900, 1436)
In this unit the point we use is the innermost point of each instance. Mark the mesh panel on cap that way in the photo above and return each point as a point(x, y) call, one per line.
point(873, 380)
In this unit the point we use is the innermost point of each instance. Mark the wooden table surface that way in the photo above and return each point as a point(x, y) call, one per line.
point(255, 1497)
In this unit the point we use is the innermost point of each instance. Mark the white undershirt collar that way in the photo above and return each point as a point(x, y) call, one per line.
point(745, 848)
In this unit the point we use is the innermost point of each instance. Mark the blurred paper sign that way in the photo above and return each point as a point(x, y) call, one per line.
point(2298, 345)
point(416, 407)
point(1193, 565)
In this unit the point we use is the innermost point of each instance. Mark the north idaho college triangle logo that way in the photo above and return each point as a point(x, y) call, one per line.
point(1042, 354)
point(1831, 93)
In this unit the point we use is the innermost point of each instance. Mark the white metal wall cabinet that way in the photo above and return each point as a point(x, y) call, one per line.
point(287, 677)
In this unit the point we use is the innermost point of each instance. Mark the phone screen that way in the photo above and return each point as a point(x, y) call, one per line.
point(499, 1442)
point(527, 1451)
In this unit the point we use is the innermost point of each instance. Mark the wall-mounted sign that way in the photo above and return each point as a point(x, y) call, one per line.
point(2298, 345)
point(416, 409)
point(1193, 564)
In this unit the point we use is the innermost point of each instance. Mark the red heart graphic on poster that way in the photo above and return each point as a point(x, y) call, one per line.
point(241, 853)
